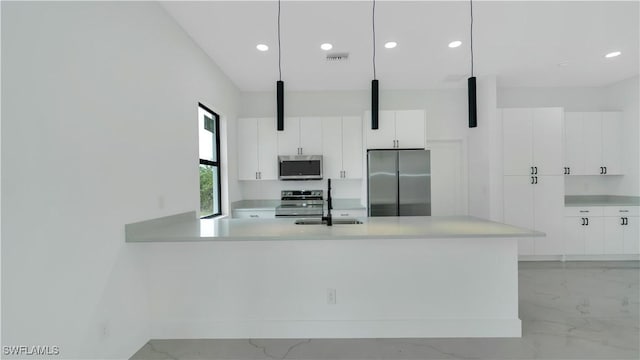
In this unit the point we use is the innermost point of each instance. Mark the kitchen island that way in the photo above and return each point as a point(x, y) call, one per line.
point(387, 277)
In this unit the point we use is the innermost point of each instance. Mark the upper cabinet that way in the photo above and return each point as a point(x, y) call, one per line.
point(404, 129)
point(301, 136)
point(342, 147)
point(592, 143)
point(257, 149)
point(532, 141)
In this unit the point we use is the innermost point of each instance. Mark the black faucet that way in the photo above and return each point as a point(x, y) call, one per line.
point(327, 218)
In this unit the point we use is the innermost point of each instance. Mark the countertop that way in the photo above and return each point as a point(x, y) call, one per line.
point(186, 228)
point(600, 200)
point(338, 204)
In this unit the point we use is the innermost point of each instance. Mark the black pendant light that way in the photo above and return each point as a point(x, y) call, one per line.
point(471, 82)
point(279, 83)
point(374, 82)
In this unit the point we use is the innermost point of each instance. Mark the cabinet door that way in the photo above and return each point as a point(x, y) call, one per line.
point(573, 236)
point(352, 147)
point(267, 149)
point(385, 136)
point(548, 203)
point(547, 141)
point(518, 208)
point(410, 129)
point(632, 235)
point(247, 147)
point(289, 138)
point(311, 135)
point(594, 236)
point(517, 141)
point(611, 142)
point(332, 147)
point(613, 235)
point(574, 143)
point(592, 130)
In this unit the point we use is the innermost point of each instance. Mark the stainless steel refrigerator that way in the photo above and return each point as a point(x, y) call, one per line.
point(399, 182)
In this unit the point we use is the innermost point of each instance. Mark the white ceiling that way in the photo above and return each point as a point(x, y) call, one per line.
point(521, 42)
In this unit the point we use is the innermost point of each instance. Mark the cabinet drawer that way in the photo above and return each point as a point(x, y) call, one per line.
point(583, 211)
point(354, 213)
point(254, 214)
point(622, 211)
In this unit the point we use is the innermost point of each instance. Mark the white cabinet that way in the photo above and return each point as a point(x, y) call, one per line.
point(592, 143)
point(342, 147)
point(257, 149)
point(253, 214)
point(351, 213)
point(601, 230)
point(583, 235)
point(533, 186)
point(536, 205)
point(405, 129)
point(301, 136)
point(622, 230)
point(532, 141)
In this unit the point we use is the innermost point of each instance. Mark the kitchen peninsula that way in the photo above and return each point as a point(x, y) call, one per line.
point(387, 277)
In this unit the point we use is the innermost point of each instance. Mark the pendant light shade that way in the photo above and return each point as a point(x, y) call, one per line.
point(471, 82)
point(374, 104)
point(473, 119)
point(280, 103)
point(279, 84)
point(374, 82)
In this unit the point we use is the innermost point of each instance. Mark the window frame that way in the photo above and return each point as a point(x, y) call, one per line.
point(215, 163)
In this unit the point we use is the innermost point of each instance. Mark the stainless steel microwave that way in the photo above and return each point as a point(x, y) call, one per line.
point(300, 167)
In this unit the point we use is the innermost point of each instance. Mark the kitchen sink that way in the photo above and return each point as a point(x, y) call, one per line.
point(343, 221)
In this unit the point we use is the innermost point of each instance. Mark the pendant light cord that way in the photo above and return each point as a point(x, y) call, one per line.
point(373, 22)
point(279, 55)
point(471, 7)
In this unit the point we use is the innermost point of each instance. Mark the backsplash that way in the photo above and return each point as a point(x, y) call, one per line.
point(270, 189)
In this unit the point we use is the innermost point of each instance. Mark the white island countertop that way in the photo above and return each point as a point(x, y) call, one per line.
point(187, 228)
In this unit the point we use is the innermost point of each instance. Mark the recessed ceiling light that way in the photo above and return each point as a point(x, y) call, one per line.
point(326, 46)
point(613, 54)
point(262, 47)
point(390, 44)
point(455, 44)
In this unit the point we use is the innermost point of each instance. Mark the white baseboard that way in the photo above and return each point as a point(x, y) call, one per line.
point(337, 329)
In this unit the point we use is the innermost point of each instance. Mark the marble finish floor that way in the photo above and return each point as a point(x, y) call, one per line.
point(571, 310)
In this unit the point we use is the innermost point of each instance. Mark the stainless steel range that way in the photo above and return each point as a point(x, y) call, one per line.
point(300, 203)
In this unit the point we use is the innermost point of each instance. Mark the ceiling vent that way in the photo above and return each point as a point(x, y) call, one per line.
point(337, 57)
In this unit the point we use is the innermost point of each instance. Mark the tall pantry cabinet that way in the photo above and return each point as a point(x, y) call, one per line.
point(533, 188)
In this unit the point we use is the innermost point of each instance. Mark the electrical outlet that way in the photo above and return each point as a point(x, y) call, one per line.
point(331, 296)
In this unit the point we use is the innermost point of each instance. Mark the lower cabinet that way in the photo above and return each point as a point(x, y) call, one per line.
point(601, 230)
point(353, 213)
point(254, 214)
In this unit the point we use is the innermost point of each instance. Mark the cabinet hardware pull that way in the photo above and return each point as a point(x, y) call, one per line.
point(536, 170)
point(536, 179)
point(568, 170)
point(532, 170)
point(624, 210)
point(259, 175)
point(587, 221)
point(605, 170)
point(532, 180)
point(253, 216)
point(626, 221)
point(582, 221)
point(601, 170)
point(256, 175)
point(584, 211)
point(622, 219)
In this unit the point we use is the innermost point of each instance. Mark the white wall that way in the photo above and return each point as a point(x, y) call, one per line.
point(99, 129)
point(445, 111)
point(622, 96)
point(625, 96)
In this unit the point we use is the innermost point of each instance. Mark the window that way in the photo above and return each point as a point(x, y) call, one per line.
point(209, 143)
